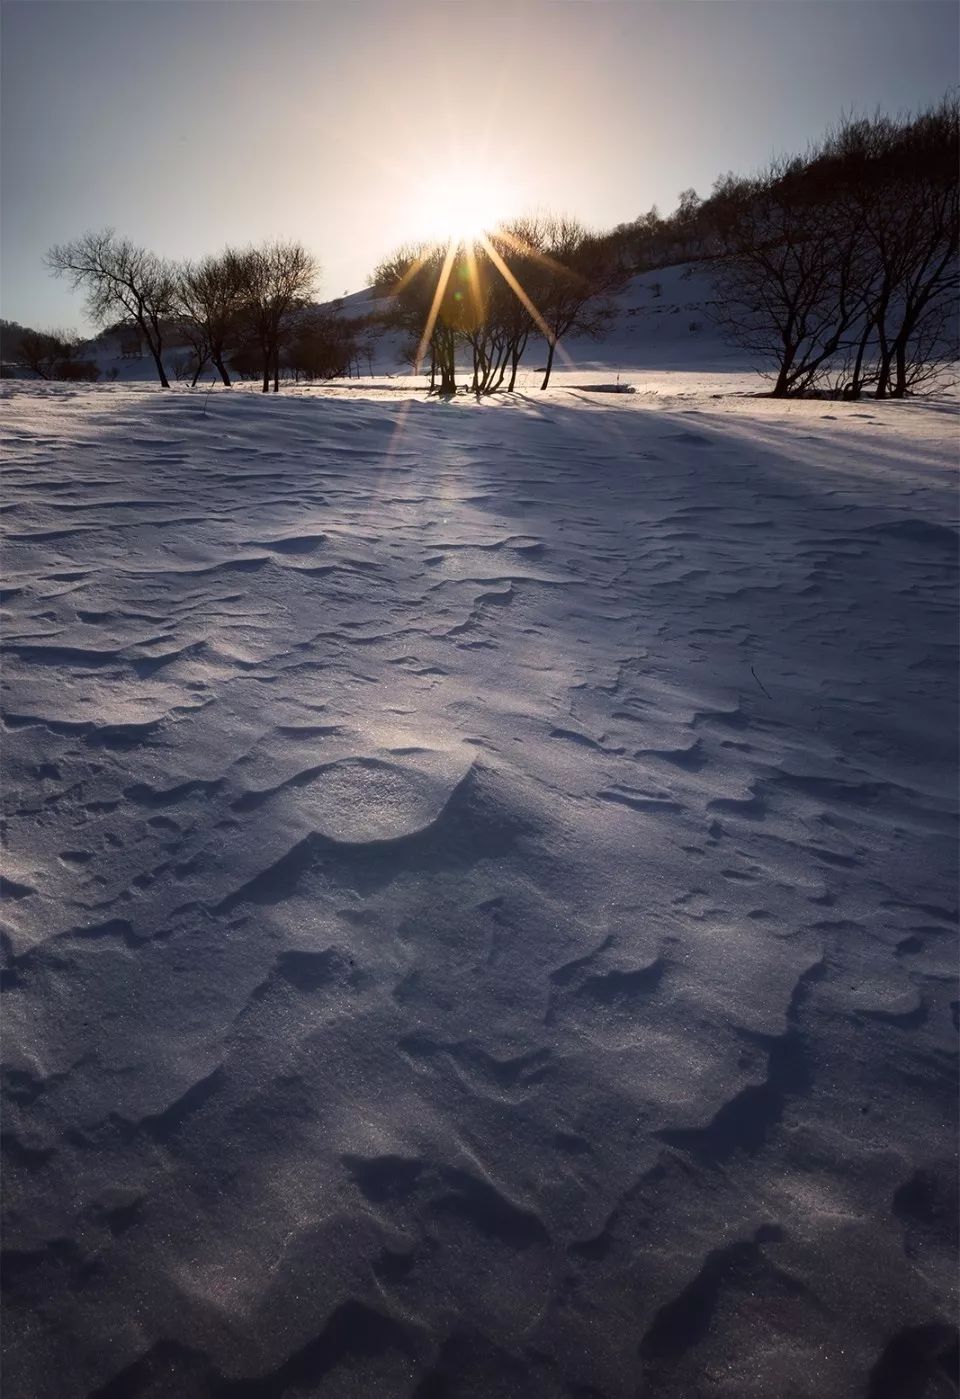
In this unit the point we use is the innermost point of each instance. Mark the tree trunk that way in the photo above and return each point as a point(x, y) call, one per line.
point(886, 355)
point(276, 368)
point(899, 389)
point(515, 354)
point(164, 381)
point(266, 369)
point(448, 383)
point(161, 372)
point(155, 344)
point(883, 377)
point(855, 388)
point(222, 372)
point(781, 388)
point(499, 368)
point(546, 377)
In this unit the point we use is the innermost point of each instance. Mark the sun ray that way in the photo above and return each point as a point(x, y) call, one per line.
point(461, 199)
point(473, 279)
point(415, 265)
point(442, 281)
point(525, 301)
point(401, 423)
point(515, 286)
point(519, 245)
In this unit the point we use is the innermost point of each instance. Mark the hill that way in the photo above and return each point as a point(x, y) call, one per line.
point(662, 323)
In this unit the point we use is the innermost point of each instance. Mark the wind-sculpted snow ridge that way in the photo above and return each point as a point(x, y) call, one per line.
point(479, 897)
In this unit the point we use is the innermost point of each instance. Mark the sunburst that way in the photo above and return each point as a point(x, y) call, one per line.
point(459, 204)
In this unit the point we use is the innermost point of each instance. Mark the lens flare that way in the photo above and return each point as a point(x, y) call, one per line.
point(462, 204)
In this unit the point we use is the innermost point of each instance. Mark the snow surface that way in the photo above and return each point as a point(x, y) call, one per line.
point(480, 894)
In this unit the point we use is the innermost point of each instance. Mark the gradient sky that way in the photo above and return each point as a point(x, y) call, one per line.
point(188, 124)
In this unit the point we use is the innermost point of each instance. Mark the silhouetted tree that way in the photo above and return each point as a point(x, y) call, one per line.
point(275, 280)
point(44, 352)
point(842, 266)
point(575, 277)
point(787, 290)
point(321, 344)
point(422, 283)
point(209, 303)
point(121, 280)
point(543, 275)
point(925, 233)
point(517, 248)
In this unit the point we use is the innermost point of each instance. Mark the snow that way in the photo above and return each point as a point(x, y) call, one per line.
point(481, 888)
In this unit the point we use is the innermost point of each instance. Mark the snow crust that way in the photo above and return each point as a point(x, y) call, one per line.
point(480, 892)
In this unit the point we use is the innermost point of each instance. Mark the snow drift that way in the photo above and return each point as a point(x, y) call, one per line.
point(479, 894)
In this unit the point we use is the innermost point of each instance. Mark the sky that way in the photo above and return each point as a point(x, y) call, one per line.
point(349, 124)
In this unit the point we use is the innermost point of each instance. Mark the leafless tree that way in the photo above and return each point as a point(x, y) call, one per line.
point(517, 250)
point(572, 285)
point(790, 287)
point(842, 266)
point(543, 276)
point(121, 281)
point(43, 351)
point(195, 336)
point(275, 279)
point(422, 286)
point(209, 303)
point(322, 344)
point(927, 219)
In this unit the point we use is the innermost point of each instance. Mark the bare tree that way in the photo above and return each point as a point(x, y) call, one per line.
point(895, 183)
point(790, 289)
point(275, 280)
point(194, 335)
point(209, 303)
point(121, 281)
point(924, 324)
point(322, 344)
point(517, 248)
point(571, 290)
point(426, 303)
point(44, 351)
point(545, 276)
point(842, 266)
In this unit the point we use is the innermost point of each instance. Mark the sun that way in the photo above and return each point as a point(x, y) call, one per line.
point(461, 204)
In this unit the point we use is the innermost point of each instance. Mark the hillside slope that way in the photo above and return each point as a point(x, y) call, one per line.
point(662, 323)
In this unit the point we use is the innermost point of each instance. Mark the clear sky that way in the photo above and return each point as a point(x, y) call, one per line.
point(187, 124)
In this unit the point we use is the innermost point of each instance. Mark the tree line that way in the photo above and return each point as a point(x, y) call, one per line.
point(838, 268)
point(50, 354)
point(841, 267)
point(537, 277)
point(247, 310)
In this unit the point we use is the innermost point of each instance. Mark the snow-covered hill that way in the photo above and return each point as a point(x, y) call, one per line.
point(662, 324)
